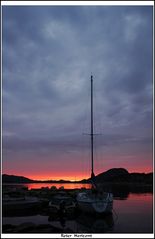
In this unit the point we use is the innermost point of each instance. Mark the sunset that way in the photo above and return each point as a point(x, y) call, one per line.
point(81, 171)
point(48, 56)
point(77, 113)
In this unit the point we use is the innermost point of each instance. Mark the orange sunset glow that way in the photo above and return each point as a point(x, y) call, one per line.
point(74, 175)
point(63, 177)
point(52, 103)
point(77, 119)
point(79, 167)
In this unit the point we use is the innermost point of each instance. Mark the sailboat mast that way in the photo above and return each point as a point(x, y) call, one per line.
point(92, 131)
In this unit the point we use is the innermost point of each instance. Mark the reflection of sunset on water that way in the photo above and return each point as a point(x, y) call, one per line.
point(57, 185)
point(141, 202)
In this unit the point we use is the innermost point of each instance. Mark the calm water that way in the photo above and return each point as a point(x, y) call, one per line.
point(49, 185)
point(131, 215)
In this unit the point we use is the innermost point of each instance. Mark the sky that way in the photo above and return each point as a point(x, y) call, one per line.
point(48, 56)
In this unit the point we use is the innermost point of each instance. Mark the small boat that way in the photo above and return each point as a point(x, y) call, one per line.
point(14, 205)
point(95, 200)
point(62, 203)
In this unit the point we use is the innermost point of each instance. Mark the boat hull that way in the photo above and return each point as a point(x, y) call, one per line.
point(20, 206)
point(92, 208)
point(94, 205)
point(62, 204)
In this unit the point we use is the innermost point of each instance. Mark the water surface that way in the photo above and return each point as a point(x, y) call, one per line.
point(49, 185)
point(131, 215)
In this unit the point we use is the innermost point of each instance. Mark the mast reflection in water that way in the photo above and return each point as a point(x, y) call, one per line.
point(132, 213)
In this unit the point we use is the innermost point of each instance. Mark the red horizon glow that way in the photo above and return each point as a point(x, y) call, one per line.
point(48, 177)
point(73, 169)
point(61, 176)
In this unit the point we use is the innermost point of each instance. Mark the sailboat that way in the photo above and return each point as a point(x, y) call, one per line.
point(95, 200)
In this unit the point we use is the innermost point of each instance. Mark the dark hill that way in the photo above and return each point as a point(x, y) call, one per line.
point(112, 175)
point(122, 175)
point(141, 177)
point(15, 179)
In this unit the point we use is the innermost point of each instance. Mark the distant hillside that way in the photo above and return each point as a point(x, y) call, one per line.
point(15, 179)
point(122, 175)
point(142, 177)
point(20, 179)
point(112, 175)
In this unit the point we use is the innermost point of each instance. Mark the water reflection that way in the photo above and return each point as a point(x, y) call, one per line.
point(134, 215)
point(94, 224)
point(49, 185)
point(85, 222)
point(121, 195)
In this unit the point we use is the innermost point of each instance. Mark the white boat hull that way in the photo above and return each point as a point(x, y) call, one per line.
point(95, 205)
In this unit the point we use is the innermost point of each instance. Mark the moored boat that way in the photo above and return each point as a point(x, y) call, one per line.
point(62, 203)
point(95, 200)
point(13, 205)
point(102, 203)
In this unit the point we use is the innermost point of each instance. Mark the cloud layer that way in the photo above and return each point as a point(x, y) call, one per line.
point(48, 56)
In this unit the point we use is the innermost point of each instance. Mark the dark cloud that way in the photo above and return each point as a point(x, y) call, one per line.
point(48, 55)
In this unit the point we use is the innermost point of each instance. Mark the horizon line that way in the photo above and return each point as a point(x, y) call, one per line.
point(71, 180)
